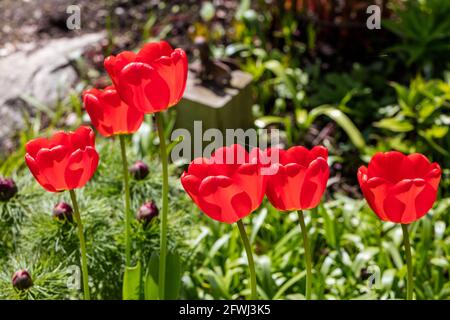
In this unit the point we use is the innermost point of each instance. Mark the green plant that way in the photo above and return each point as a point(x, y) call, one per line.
point(420, 119)
point(424, 30)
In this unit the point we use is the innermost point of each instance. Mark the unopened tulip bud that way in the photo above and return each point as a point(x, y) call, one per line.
point(21, 280)
point(147, 212)
point(8, 189)
point(63, 211)
point(139, 170)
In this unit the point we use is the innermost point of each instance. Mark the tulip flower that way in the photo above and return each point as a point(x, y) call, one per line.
point(152, 81)
point(400, 189)
point(111, 116)
point(227, 187)
point(66, 161)
point(299, 182)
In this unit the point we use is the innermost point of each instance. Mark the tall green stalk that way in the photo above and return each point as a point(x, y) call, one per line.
point(251, 263)
point(301, 219)
point(84, 269)
point(410, 283)
point(127, 202)
point(165, 206)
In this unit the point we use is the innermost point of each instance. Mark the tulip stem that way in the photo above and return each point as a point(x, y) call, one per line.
point(251, 263)
point(301, 219)
point(410, 283)
point(84, 268)
point(165, 206)
point(127, 202)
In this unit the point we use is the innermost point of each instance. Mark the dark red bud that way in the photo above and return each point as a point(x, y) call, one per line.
point(21, 280)
point(63, 211)
point(139, 170)
point(8, 189)
point(147, 212)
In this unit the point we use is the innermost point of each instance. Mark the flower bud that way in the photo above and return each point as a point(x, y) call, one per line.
point(8, 189)
point(147, 212)
point(63, 211)
point(21, 279)
point(139, 170)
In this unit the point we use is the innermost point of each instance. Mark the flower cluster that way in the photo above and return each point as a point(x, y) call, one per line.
point(228, 186)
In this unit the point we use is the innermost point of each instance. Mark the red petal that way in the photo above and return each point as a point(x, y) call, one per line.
point(375, 191)
point(109, 114)
point(153, 51)
point(242, 205)
point(190, 183)
point(34, 168)
point(114, 64)
point(173, 69)
point(33, 146)
point(315, 183)
point(81, 166)
point(139, 85)
point(210, 184)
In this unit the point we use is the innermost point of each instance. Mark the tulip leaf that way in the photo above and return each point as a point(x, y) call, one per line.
point(342, 120)
point(151, 291)
point(329, 225)
point(395, 125)
point(173, 277)
point(132, 283)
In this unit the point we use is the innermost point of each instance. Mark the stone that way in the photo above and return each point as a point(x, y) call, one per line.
point(44, 72)
point(216, 107)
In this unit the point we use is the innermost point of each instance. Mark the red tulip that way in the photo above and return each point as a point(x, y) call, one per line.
point(65, 161)
point(152, 80)
point(300, 179)
point(228, 186)
point(109, 114)
point(400, 188)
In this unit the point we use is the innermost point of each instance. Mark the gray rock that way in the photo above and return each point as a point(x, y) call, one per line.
point(43, 72)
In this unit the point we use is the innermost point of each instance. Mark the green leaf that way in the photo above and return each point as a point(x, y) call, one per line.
point(329, 225)
point(132, 283)
point(263, 122)
point(342, 120)
point(151, 291)
point(394, 125)
point(173, 277)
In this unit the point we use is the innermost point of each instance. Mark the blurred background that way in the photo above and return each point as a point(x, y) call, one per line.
point(317, 70)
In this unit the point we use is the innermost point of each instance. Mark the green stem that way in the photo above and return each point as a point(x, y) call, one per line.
point(84, 268)
point(165, 206)
point(301, 219)
point(410, 283)
point(251, 263)
point(127, 202)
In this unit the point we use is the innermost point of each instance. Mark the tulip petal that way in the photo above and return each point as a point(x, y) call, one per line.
point(81, 166)
point(199, 167)
point(242, 204)
point(33, 146)
point(114, 64)
point(190, 183)
point(375, 191)
point(210, 184)
point(34, 168)
point(153, 51)
point(315, 183)
point(139, 85)
point(173, 69)
point(109, 114)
